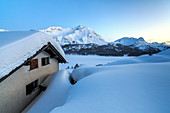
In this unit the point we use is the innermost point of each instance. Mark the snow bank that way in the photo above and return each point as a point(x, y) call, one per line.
point(160, 57)
point(23, 46)
point(84, 71)
point(124, 61)
point(153, 59)
point(55, 94)
point(128, 85)
point(135, 88)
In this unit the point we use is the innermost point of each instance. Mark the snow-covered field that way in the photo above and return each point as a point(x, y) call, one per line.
point(138, 85)
point(89, 60)
point(119, 85)
point(136, 88)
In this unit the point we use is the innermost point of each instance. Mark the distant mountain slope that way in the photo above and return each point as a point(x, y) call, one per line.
point(141, 43)
point(85, 41)
point(131, 41)
point(76, 35)
point(165, 53)
point(124, 46)
point(106, 50)
point(85, 35)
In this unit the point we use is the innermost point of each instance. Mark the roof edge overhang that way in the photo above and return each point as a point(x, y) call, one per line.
point(59, 57)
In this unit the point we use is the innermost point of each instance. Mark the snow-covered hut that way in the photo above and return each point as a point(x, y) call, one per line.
point(26, 60)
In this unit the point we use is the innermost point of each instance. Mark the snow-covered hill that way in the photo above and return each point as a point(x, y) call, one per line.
point(76, 35)
point(141, 43)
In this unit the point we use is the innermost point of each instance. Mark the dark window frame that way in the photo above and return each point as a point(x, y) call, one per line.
point(33, 64)
point(32, 87)
point(45, 61)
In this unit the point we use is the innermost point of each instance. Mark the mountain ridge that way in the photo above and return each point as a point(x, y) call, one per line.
point(85, 35)
point(83, 40)
point(77, 35)
point(141, 43)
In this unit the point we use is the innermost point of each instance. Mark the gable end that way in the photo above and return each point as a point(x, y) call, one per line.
point(49, 48)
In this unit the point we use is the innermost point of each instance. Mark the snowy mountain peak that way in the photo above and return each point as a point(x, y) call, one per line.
point(141, 39)
point(77, 35)
point(85, 35)
point(52, 29)
point(131, 41)
point(141, 43)
point(79, 26)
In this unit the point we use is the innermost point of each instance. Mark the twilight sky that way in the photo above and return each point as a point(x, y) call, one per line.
point(112, 19)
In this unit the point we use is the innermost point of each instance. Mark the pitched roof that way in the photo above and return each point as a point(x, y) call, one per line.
point(18, 46)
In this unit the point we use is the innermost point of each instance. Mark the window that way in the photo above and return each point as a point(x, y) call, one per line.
point(45, 61)
point(34, 64)
point(31, 87)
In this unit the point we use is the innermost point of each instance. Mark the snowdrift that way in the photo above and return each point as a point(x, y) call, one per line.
point(135, 88)
point(82, 72)
point(135, 85)
point(54, 96)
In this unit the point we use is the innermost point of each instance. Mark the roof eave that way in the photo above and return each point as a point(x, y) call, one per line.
point(61, 59)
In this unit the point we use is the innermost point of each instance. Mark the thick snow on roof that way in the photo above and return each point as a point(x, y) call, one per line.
point(18, 46)
point(13, 36)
